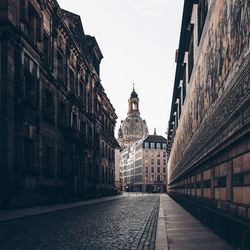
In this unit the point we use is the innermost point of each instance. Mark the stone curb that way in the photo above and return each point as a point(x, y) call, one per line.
point(161, 234)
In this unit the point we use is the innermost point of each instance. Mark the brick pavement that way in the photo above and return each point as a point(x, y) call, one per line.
point(7, 215)
point(128, 223)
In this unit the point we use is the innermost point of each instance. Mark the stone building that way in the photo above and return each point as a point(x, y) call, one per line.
point(144, 165)
point(138, 172)
point(209, 124)
point(56, 122)
point(117, 169)
point(133, 128)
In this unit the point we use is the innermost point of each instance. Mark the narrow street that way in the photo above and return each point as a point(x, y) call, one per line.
point(126, 223)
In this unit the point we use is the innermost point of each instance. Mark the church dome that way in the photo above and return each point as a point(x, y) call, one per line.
point(133, 128)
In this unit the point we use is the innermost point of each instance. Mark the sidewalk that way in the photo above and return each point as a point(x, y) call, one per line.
point(8, 215)
point(177, 229)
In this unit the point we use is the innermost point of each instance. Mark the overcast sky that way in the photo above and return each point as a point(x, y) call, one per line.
point(138, 39)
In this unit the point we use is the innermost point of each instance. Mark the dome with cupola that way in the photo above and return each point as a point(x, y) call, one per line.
point(133, 128)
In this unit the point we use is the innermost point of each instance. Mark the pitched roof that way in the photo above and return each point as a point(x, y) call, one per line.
point(155, 138)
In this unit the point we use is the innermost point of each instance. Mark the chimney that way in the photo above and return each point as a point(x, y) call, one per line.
point(155, 131)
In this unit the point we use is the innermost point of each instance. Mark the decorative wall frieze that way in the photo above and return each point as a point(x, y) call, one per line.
point(227, 119)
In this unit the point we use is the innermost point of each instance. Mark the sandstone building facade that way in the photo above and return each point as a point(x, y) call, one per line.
point(144, 165)
point(56, 122)
point(208, 135)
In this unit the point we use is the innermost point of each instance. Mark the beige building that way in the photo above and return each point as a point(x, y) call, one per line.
point(144, 165)
point(117, 169)
point(142, 162)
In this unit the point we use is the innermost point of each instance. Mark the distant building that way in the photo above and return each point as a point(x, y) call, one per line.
point(143, 160)
point(144, 165)
point(117, 169)
point(133, 128)
point(209, 124)
point(56, 122)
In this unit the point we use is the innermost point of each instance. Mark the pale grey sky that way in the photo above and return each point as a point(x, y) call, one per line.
point(138, 39)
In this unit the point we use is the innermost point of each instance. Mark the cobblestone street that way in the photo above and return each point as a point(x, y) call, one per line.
point(127, 223)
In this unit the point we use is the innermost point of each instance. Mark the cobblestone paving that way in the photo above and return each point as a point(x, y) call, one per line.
point(127, 223)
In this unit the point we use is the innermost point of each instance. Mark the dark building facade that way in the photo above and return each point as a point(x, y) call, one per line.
point(56, 122)
point(209, 125)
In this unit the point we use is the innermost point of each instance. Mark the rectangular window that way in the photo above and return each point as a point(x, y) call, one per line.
point(158, 169)
point(146, 145)
point(164, 146)
point(30, 89)
point(158, 145)
point(158, 162)
point(158, 178)
point(34, 25)
point(49, 107)
point(60, 67)
point(152, 162)
point(164, 162)
point(206, 183)
point(46, 49)
point(152, 145)
point(152, 169)
point(164, 170)
point(220, 181)
point(62, 114)
point(146, 169)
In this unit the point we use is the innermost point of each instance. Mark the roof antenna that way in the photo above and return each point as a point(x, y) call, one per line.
point(155, 131)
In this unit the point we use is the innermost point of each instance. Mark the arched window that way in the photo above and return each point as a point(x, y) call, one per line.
point(134, 106)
